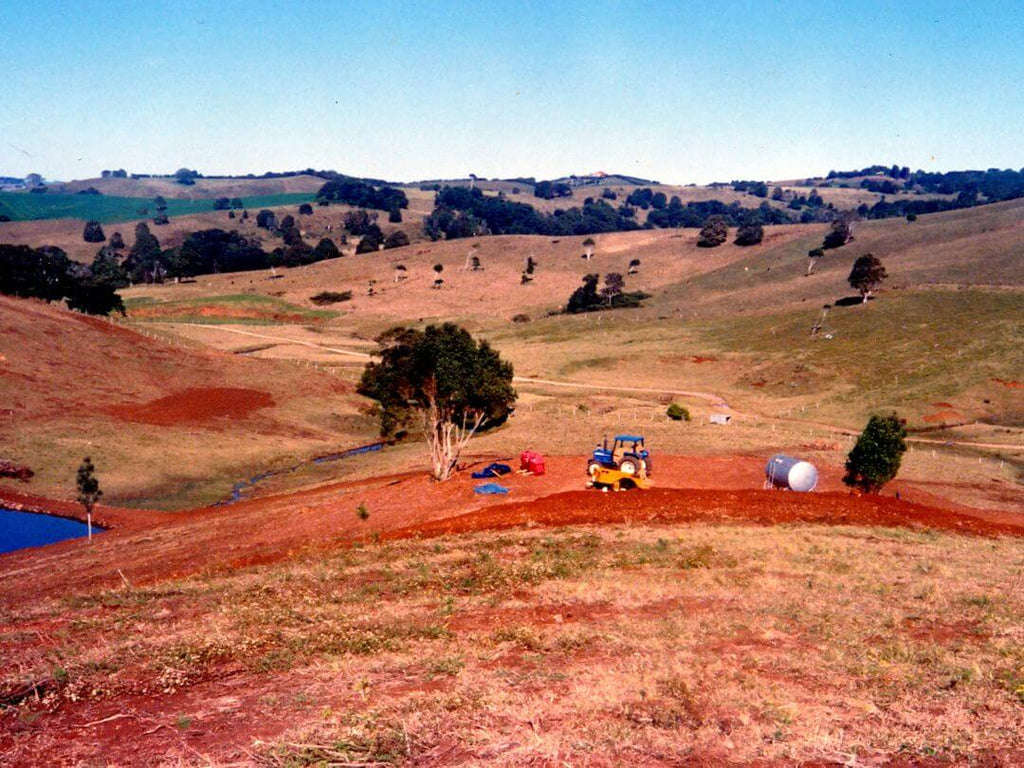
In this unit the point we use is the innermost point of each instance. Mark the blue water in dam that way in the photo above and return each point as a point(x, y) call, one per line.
point(28, 529)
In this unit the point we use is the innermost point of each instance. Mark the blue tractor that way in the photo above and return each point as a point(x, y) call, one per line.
point(627, 454)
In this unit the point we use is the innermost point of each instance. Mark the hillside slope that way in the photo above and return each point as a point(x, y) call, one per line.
point(160, 421)
point(945, 328)
point(206, 188)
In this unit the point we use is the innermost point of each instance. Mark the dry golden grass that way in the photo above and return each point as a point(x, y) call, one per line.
point(611, 645)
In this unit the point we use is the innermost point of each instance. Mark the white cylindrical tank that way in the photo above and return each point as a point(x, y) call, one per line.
point(786, 472)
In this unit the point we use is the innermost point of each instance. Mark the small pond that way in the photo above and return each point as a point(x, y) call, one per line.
point(27, 529)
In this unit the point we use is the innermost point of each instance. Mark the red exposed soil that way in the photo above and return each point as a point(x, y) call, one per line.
point(678, 505)
point(942, 416)
point(948, 406)
point(944, 633)
point(569, 613)
point(195, 406)
point(150, 546)
point(1010, 384)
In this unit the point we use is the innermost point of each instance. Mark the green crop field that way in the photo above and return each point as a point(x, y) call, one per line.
point(239, 309)
point(20, 206)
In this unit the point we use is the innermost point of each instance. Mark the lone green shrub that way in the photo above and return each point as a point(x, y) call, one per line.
point(876, 457)
point(330, 297)
point(676, 412)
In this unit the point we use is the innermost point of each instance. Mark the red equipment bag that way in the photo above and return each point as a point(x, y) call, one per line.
point(532, 462)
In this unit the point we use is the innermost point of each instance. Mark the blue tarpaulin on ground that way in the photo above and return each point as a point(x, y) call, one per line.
point(494, 470)
point(491, 489)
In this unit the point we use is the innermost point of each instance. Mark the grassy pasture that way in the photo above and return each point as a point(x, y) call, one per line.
point(613, 644)
point(941, 343)
point(729, 321)
point(244, 308)
point(110, 210)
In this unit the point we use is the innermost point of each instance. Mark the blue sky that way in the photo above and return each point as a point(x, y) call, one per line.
point(676, 91)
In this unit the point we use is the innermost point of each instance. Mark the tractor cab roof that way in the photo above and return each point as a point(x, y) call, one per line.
point(629, 438)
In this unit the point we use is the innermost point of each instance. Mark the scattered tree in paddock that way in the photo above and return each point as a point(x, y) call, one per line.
point(298, 254)
point(361, 222)
point(401, 273)
point(236, 203)
point(528, 270)
point(812, 257)
point(266, 219)
point(714, 232)
point(369, 243)
point(677, 412)
point(186, 176)
point(587, 298)
point(397, 239)
point(634, 267)
point(395, 216)
point(444, 379)
point(588, 245)
point(867, 274)
point(613, 285)
point(839, 234)
point(117, 242)
point(751, 233)
point(305, 209)
point(584, 297)
point(325, 249)
point(93, 232)
point(88, 490)
point(291, 235)
point(330, 297)
point(876, 457)
point(221, 204)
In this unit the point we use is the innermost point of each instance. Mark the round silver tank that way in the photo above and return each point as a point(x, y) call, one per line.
point(786, 472)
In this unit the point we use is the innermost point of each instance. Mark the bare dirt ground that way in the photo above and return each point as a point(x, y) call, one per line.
point(147, 547)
